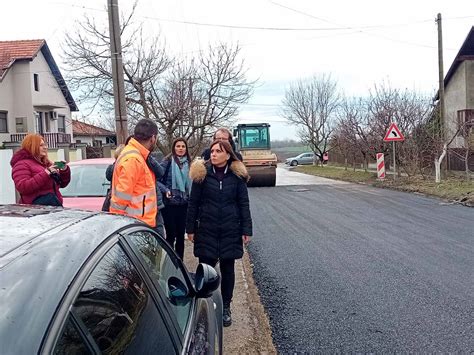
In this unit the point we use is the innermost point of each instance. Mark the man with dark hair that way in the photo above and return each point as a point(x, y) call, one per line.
point(144, 130)
point(133, 182)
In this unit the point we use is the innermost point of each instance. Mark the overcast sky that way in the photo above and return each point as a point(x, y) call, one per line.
point(359, 43)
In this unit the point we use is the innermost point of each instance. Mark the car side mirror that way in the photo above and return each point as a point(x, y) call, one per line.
point(207, 280)
point(178, 292)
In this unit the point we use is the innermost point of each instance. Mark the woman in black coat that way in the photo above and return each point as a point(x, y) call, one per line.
point(218, 219)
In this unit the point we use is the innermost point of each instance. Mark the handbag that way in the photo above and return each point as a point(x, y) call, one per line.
point(106, 204)
point(49, 199)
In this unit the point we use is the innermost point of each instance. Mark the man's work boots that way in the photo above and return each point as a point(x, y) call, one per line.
point(226, 316)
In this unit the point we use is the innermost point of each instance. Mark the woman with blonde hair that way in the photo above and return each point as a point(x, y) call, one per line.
point(36, 178)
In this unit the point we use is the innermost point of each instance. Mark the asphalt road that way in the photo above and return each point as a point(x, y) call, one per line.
point(347, 268)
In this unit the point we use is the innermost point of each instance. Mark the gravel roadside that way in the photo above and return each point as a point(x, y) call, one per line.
point(250, 331)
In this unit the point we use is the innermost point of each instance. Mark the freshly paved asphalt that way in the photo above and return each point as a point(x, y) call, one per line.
point(349, 268)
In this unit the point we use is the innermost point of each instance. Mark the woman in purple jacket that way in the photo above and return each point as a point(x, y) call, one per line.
point(36, 178)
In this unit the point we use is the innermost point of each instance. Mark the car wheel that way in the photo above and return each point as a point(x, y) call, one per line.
point(294, 163)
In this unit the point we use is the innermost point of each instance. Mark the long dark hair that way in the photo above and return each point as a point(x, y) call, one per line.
point(173, 151)
point(227, 148)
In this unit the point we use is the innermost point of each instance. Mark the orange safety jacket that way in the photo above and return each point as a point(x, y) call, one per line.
point(133, 190)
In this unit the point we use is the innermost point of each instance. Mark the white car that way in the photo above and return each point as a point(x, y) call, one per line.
point(302, 159)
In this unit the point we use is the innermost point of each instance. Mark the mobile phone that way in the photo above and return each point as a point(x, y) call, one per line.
point(60, 164)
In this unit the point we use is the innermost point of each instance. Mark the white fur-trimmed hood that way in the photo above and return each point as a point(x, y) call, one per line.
point(198, 170)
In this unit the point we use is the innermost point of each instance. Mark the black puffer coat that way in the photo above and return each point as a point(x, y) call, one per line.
point(218, 213)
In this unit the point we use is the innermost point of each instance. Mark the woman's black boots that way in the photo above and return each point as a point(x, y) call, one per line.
point(226, 316)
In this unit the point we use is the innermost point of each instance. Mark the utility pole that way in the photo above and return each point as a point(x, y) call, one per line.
point(442, 121)
point(117, 72)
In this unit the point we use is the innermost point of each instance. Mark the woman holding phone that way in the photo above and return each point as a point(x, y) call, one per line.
point(36, 178)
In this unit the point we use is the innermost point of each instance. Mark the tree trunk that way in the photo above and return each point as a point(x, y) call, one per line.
point(438, 162)
point(466, 165)
point(345, 163)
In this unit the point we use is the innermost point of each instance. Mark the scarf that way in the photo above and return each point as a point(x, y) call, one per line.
point(180, 176)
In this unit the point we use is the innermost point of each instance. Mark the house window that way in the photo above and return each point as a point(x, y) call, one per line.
point(3, 122)
point(47, 120)
point(36, 82)
point(465, 121)
point(20, 123)
point(62, 123)
point(39, 123)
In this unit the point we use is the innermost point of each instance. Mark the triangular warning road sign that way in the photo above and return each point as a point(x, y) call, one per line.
point(394, 134)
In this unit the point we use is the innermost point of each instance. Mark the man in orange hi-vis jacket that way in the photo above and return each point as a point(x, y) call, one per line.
point(133, 190)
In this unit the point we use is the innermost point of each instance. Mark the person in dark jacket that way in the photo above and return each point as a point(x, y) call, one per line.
point(153, 163)
point(222, 134)
point(175, 186)
point(36, 179)
point(109, 173)
point(219, 219)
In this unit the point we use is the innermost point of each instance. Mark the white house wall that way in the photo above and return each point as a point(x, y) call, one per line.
point(15, 97)
point(89, 140)
point(469, 84)
point(455, 99)
point(49, 92)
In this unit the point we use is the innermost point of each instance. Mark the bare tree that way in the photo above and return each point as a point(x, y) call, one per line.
point(311, 105)
point(187, 98)
point(197, 97)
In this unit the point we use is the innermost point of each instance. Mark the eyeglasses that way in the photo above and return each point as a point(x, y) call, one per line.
point(222, 139)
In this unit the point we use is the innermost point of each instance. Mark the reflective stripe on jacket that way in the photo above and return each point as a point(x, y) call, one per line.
point(133, 185)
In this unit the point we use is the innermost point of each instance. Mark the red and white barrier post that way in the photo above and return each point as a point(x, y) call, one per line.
point(380, 166)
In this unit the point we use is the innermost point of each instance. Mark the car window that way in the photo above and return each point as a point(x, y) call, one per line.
point(115, 307)
point(87, 180)
point(162, 266)
point(70, 341)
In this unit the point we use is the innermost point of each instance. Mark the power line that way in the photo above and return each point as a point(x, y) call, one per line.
point(361, 28)
point(273, 28)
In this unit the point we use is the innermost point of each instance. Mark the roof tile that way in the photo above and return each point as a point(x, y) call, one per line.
point(85, 129)
point(10, 51)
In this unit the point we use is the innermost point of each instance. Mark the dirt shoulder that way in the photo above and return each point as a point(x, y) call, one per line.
point(250, 332)
point(452, 189)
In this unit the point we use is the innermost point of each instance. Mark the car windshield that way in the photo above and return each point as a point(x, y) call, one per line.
point(87, 180)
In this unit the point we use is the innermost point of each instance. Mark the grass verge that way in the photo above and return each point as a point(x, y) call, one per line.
point(452, 188)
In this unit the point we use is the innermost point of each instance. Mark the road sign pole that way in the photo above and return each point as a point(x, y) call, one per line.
point(394, 163)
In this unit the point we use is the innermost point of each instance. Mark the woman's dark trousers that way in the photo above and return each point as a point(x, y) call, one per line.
point(228, 277)
point(175, 225)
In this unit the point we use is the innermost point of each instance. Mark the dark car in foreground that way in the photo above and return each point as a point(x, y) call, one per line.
point(79, 282)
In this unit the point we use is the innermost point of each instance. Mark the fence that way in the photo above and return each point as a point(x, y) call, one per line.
point(456, 160)
point(52, 139)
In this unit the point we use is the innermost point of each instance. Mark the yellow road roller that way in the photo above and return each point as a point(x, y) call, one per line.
point(253, 142)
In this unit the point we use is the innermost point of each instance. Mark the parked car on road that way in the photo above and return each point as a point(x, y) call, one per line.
point(81, 282)
point(302, 159)
point(88, 185)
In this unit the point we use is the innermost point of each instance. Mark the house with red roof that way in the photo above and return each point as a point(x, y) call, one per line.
point(92, 135)
point(34, 97)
